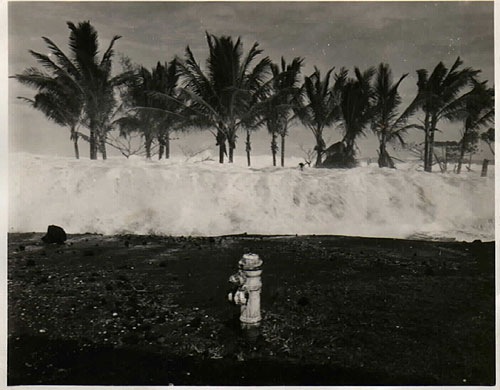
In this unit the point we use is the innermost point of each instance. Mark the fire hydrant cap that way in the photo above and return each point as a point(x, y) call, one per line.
point(250, 261)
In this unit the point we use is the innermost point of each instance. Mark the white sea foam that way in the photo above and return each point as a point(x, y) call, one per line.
point(197, 197)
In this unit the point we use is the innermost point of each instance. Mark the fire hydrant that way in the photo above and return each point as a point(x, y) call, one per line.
point(248, 287)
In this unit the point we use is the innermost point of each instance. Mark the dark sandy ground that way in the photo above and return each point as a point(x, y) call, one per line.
point(144, 310)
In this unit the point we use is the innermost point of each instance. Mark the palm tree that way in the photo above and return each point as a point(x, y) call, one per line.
point(386, 122)
point(282, 98)
point(318, 109)
point(88, 76)
point(221, 98)
point(356, 109)
point(489, 137)
point(152, 109)
point(138, 120)
point(479, 111)
point(165, 80)
point(439, 98)
point(57, 99)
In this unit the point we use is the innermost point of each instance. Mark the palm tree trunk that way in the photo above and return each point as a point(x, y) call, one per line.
point(102, 147)
point(232, 145)
point(462, 153)
point(147, 145)
point(74, 137)
point(426, 142)
point(274, 148)
point(484, 170)
point(167, 144)
point(77, 151)
point(221, 142)
point(384, 159)
point(282, 150)
point(430, 146)
point(231, 154)
point(491, 148)
point(319, 148)
point(160, 150)
point(93, 145)
point(248, 147)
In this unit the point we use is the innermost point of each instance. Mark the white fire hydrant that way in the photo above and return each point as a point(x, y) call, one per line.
point(249, 285)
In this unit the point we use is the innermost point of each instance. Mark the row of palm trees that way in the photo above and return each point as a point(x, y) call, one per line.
point(242, 92)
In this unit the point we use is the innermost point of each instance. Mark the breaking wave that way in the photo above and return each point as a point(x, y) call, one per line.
point(204, 198)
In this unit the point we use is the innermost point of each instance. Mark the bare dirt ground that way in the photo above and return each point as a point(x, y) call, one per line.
point(143, 310)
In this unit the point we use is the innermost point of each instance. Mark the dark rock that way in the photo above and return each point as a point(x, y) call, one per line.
point(303, 301)
point(88, 252)
point(163, 263)
point(195, 322)
point(30, 262)
point(127, 244)
point(21, 248)
point(55, 235)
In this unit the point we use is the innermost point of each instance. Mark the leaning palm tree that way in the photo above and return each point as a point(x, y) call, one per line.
point(439, 97)
point(318, 108)
point(221, 98)
point(57, 99)
point(277, 108)
point(88, 75)
point(479, 111)
point(387, 123)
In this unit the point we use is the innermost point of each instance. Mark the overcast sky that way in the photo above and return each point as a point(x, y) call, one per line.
point(408, 36)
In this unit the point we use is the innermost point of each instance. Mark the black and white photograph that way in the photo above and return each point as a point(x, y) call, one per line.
point(251, 193)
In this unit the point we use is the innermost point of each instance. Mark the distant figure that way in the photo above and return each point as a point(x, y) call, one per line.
point(55, 235)
point(301, 166)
